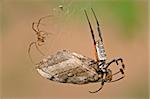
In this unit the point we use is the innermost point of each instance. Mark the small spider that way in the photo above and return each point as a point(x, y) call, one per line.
point(41, 36)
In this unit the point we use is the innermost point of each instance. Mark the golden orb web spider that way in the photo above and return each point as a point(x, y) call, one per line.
point(100, 56)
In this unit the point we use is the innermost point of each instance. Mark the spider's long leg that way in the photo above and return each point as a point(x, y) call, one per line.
point(98, 26)
point(33, 27)
point(39, 49)
point(38, 32)
point(99, 46)
point(29, 50)
point(121, 69)
point(102, 84)
point(117, 79)
point(116, 60)
point(38, 24)
point(92, 33)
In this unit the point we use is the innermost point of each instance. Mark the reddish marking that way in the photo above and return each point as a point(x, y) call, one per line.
point(95, 53)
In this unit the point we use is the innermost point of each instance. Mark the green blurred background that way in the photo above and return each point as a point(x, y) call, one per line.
point(124, 24)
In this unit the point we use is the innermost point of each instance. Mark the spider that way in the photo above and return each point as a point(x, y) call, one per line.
point(100, 56)
point(41, 36)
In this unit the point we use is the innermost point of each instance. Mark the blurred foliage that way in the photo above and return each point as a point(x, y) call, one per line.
point(127, 12)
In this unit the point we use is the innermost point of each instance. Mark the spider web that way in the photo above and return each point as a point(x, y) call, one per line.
point(64, 14)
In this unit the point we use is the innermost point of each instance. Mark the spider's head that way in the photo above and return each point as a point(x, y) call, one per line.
point(106, 74)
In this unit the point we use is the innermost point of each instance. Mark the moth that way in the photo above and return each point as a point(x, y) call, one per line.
point(74, 68)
